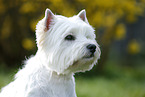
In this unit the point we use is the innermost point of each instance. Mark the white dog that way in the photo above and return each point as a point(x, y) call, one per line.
point(65, 46)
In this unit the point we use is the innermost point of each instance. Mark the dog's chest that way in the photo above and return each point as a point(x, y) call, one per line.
point(55, 86)
point(61, 88)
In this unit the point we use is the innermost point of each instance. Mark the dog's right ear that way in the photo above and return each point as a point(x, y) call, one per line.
point(49, 16)
point(82, 16)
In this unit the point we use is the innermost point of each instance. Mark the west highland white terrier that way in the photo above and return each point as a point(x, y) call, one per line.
point(65, 46)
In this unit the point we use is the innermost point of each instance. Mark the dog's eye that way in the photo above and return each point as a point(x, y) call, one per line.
point(69, 37)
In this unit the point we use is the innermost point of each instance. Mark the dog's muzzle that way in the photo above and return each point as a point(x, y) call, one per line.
point(91, 50)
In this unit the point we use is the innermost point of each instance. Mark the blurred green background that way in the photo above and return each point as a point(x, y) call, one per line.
point(120, 31)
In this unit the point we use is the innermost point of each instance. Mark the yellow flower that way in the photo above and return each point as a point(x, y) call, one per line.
point(120, 32)
point(6, 28)
point(27, 44)
point(133, 47)
point(98, 18)
point(110, 20)
point(2, 7)
point(27, 7)
point(33, 25)
point(130, 18)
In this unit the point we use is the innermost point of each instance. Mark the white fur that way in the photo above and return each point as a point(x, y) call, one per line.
point(50, 72)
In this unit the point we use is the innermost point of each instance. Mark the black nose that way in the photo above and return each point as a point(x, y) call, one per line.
point(91, 48)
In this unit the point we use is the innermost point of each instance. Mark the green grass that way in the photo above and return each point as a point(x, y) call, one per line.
point(6, 76)
point(117, 81)
point(124, 84)
point(103, 87)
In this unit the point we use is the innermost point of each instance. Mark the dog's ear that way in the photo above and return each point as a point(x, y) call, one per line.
point(49, 16)
point(82, 15)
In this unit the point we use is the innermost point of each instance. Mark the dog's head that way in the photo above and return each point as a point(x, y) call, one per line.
point(67, 44)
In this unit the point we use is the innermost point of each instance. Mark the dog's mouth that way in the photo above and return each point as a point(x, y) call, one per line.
point(89, 56)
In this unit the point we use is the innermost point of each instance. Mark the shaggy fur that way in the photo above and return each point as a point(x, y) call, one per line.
point(65, 46)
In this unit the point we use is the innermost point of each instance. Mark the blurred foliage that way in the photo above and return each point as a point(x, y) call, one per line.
point(19, 17)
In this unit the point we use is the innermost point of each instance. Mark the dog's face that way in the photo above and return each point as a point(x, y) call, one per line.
point(68, 44)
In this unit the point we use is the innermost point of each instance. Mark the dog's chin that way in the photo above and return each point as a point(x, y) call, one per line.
point(89, 58)
point(81, 65)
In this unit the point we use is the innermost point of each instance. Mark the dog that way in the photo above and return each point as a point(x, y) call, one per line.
point(66, 45)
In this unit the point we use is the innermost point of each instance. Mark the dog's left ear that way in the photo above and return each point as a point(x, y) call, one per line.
point(82, 16)
point(49, 16)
